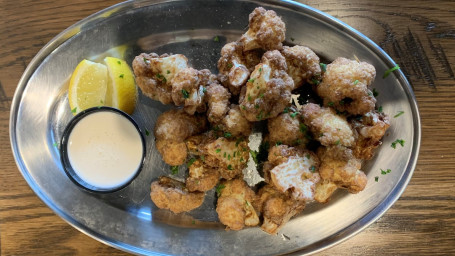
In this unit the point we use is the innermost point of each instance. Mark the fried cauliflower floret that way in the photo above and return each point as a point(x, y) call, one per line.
point(303, 64)
point(345, 86)
point(235, 123)
point(338, 165)
point(294, 170)
point(201, 177)
point(324, 190)
point(288, 130)
point(268, 91)
point(218, 102)
point(230, 156)
point(154, 73)
point(369, 131)
point(171, 129)
point(326, 126)
point(235, 205)
point(232, 67)
point(171, 194)
point(188, 89)
point(277, 208)
point(266, 30)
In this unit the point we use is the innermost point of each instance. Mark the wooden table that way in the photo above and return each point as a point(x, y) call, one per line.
point(419, 35)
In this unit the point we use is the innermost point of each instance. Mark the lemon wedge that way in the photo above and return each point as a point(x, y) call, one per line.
point(121, 89)
point(88, 86)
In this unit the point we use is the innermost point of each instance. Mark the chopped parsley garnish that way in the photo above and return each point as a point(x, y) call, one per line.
point(227, 135)
point(224, 154)
point(375, 93)
point(315, 81)
point(229, 167)
point(185, 94)
point(323, 67)
point(278, 143)
point(147, 133)
point(249, 97)
point(286, 110)
point(260, 69)
point(293, 114)
point(229, 65)
point(387, 72)
point(292, 39)
point(243, 107)
point(251, 80)
point(55, 144)
point(168, 72)
point(118, 62)
point(193, 222)
point(74, 110)
point(259, 116)
point(254, 155)
point(303, 128)
point(307, 156)
point(256, 106)
point(330, 104)
point(313, 168)
point(398, 114)
point(261, 95)
point(101, 101)
point(121, 76)
point(174, 170)
point(337, 142)
point(376, 178)
point(203, 158)
point(356, 82)
point(219, 188)
point(341, 102)
point(190, 162)
point(229, 156)
point(238, 141)
point(204, 90)
point(380, 109)
point(161, 77)
point(218, 150)
point(145, 60)
point(216, 39)
point(397, 141)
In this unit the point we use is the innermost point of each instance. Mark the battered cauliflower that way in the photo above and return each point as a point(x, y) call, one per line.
point(201, 177)
point(154, 73)
point(277, 208)
point(232, 67)
point(339, 166)
point(235, 123)
point(218, 101)
point(171, 194)
point(171, 129)
point(188, 89)
point(235, 205)
point(345, 86)
point(268, 91)
point(266, 30)
point(287, 129)
point(369, 131)
point(296, 171)
point(303, 64)
point(324, 190)
point(326, 126)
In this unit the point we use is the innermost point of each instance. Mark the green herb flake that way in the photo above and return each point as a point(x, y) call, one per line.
point(55, 144)
point(307, 156)
point(216, 39)
point(356, 82)
point(293, 114)
point(218, 150)
point(229, 157)
point(168, 72)
point(261, 95)
point(203, 158)
point(389, 171)
point(375, 93)
point(227, 135)
point(397, 141)
point(380, 109)
point(185, 94)
point(256, 106)
point(101, 102)
point(383, 172)
point(254, 155)
point(292, 39)
point(121, 75)
point(190, 162)
point(161, 77)
point(224, 155)
point(337, 142)
point(251, 80)
point(147, 132)
point(278, 143)
point(229, 65)
point(260, 69)
point(398, 114)
point(118, 62)
point(330, 104)
point(145, 60)
point(313, 168)
point(315, 81)
point(219, 188)
point(74, 110)
point(174, 170)
point(387, 72)
point(249, 97)
point(204, 90)
point(323, 67)
point(376, 178)
point(193, 222)
point(303, 128)
point(341, 102)
point(243, 107)
point(286, 110)
point(229, 167)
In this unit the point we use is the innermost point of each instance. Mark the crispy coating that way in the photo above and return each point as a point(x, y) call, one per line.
point(295, 170)
point(218, 102)
point(171, 129)
point(303, 64)
point(201, 177)
point(324, 190)
point(266, 30)
point(232, 67)
point(235, 123)
point(326, 126)
point(171, 194)
point(230, 156)
point(235, 205)
point(288, 130)
point(188, 89)
point(338, 165)
point(345, 86)
point(277, 208)
point(369, 131)
point(268, 91)
point(153, 74)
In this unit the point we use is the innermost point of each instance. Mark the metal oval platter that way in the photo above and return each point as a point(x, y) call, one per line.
point(127, 219)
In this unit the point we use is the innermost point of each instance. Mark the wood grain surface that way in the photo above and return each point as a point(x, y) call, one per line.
point(419, 35)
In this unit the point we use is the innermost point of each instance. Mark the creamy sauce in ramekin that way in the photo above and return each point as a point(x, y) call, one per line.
point(105, 149)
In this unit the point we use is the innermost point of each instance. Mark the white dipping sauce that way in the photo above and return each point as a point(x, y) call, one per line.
point(105, 149)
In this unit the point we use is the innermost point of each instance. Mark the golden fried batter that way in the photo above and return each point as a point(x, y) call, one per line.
point(153, 74)
point(218, 101)
point(188, 89)
point(326, 126)
point(345, 86)
point(288, 130)
point(369, 131)
point(171, 129)
point(324, 190)
point(235, 205)
point(266, 30)
point(268, 91)
point(235, 123)
point(201, 177)
point(303, 64)
point(232, 67)
point(171, 194)
point(338, 165)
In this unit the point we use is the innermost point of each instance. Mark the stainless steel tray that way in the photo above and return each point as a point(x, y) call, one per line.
point(127, 219)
